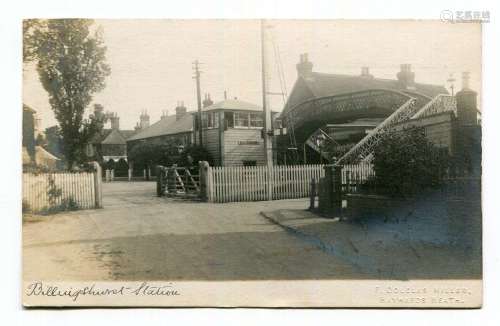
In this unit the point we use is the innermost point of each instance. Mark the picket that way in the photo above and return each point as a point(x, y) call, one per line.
point(249, 183)
point(76, 186)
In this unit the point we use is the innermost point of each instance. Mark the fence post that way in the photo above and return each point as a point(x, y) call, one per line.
point(98, 184)
point(113, 175)
point(129, 174)
point(144, 174)
point(107, 175)
point(325, 203)
point(159, 180)
point(312, 194)
point(204, 183)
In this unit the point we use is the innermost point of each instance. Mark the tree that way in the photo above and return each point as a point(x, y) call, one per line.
point(71, 66)
point(150, 154)
point(32, 35)
point(53, 141)
point(406, 163)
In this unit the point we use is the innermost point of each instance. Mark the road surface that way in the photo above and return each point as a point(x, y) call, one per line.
point(138, 236)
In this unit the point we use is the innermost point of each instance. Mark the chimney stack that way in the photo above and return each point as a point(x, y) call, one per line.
point(406, 77)
point(304, 67)
point(164, 114)
point(365, 72)
point(115, 121)
point(144, 120)
point(466, 103)
point(180, 110)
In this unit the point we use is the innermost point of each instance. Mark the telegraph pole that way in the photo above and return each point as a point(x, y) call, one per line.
point(268, 144)
point(196, 76)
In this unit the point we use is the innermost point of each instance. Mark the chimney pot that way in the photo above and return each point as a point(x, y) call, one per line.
point(304, 67)
point(405, 76)
point(180, 111)
point(465, 80)
point(365, 72)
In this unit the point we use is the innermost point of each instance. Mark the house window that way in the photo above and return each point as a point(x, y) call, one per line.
point(204, 120)
point(256, 120)
point(215, 119)
point(241, 119)
point(228, 120)
point(209, 120)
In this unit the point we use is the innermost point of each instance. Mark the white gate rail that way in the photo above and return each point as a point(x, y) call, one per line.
point(236, 184)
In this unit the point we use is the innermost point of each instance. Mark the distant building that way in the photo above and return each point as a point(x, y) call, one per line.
point(46, 159)
point(29, 118)
point(232, 132)
point(110, 144)
point(174, 129)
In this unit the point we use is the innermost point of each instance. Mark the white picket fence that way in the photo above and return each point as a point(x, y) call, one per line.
point(357, 173)
point(80, 187)
point(354, 175)
point(252, 183)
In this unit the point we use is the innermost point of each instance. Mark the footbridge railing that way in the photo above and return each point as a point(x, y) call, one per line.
point(364, 148)
point(410, 110)
point(441, 103)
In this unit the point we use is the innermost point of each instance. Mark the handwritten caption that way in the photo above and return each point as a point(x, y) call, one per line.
point(144, 289)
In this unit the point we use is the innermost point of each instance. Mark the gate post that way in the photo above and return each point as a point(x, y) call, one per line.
point(337, 189)
point(330, 197)
point(325, 202)
point(204, 180)
point(312, 194)
point(97, 185)
point(159, 180)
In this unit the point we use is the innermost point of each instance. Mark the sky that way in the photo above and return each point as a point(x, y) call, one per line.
point(151, 60)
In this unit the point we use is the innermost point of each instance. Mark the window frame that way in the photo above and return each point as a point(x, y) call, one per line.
point(235, 113)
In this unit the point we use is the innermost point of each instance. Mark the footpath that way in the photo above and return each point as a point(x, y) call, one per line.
point(413, 247)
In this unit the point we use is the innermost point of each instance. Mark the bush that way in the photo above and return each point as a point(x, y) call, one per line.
point(406, 163)
point(26, 207)
point(67, 204)
point(194, 154)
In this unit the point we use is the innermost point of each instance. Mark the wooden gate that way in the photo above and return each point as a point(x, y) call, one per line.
point(178, 182)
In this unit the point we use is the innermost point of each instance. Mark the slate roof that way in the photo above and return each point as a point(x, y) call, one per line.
point(115, 137)
point(333, 84)
point(236, 105)
point(166, 126)
point(322, 84)
point(111, 136)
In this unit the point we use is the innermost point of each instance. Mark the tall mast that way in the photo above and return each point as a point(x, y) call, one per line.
point(268, 144)
point(198, 98)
